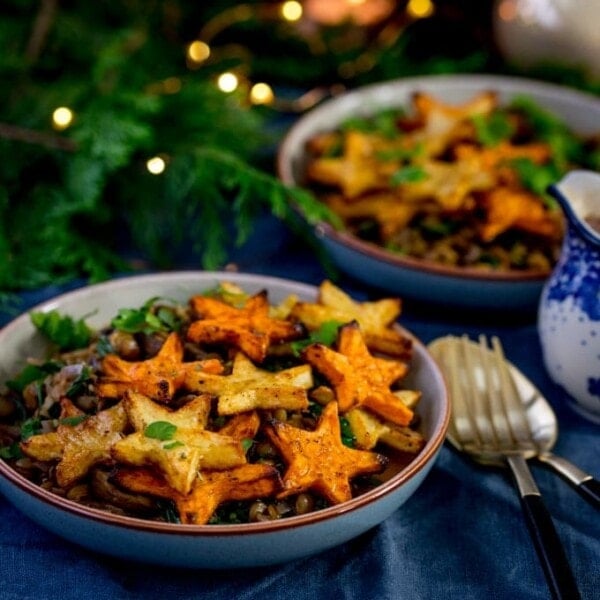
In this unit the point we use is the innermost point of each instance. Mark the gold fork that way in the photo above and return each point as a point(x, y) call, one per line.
point(489, 422)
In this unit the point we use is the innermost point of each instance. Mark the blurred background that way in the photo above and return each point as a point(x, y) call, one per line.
point(134, 131)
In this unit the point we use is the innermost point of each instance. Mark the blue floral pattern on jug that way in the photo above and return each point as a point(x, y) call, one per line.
point(579, 276)
point(569, 309)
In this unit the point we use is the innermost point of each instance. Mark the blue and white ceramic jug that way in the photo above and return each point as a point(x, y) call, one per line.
point(569, 309)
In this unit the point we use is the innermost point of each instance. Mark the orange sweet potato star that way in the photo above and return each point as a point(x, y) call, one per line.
point(211, 488)
point(249, 328)
point(360, 379)
point(318, 460)
point(158, 377)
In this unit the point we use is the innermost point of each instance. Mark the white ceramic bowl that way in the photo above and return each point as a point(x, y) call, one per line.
point(210, 546)
point(409, 277)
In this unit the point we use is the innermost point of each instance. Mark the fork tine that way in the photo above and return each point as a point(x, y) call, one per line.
point(478, 407)
point(462, 420)
point(494, 391)
point(514, 408)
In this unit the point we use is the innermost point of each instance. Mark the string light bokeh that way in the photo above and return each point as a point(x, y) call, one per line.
point(308, 20)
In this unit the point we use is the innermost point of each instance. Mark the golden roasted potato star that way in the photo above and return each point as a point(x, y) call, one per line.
point(210, 489)
point(248, 388)
point(375, 318)
point(79, 446)
point(158, 377)
point(318, 460)
point(178, 451)
point(358, 378)
point(369, 430)
point(249, 328)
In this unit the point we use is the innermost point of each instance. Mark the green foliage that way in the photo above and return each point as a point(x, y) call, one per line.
point(71, 201)
point(64, 331)
point(79, 203)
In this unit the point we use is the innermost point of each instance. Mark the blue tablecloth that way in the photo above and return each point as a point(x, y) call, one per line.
point(461, 535)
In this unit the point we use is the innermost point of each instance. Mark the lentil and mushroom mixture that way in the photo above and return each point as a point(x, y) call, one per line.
point(225, 409)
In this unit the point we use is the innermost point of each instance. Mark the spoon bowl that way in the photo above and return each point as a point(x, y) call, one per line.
point(542, 423)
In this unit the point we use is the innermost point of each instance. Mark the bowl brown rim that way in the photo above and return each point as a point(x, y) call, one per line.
point(469, 80)
point(432, 446)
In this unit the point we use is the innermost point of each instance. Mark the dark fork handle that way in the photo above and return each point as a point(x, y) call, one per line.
point(549, 548)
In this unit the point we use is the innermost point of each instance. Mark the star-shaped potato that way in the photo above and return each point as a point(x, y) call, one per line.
point(375, 318)
point(178, 451)
point(520, 209)
point(158, 377)
point(249, 328)
point(356, 171)
point(243, 426)
point(142, 412)
point(318, 460)
point(248, 388)
point(210, 489)
point(439, 121)
point(360, 379)
point(369, 430)
point(78, 446)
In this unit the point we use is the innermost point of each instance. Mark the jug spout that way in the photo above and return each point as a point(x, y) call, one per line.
point(578, 194)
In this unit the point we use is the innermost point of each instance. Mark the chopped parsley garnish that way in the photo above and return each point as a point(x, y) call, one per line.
point(326, 334)
point(32, 373)
point(536, 178)
point(408, 174)
point(493, 128)
point(79, 384)
point(160, 430)
point(11, 452)
point(348, 438)
point(64, 331)
point(30, 427)
point(147, 319)
point(400, 153)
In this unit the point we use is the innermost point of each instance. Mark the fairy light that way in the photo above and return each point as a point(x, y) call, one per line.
point(198, 52)
point(228, 82)
point(261, 93)
point(291, 10)
point(62, 118)
point(420, 9)
point(156, 165)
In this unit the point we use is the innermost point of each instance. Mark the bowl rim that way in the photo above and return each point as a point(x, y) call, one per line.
point(469, 81)
point(433, 443)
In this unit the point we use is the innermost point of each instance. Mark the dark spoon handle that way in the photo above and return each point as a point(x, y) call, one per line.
point(590, 490)
point(583, 482)
point(548, 546)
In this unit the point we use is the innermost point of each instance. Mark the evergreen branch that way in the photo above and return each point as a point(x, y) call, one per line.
point(41, 27)
point(31, 136)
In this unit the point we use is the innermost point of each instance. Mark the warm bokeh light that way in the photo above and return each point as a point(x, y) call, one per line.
point(420, 9)
point(361, 12)
point(156, 165)
point(228, 82)
point(62, 117)
point(291, 10)
point(198, 51)
point(507, 10)
point(261, 93)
